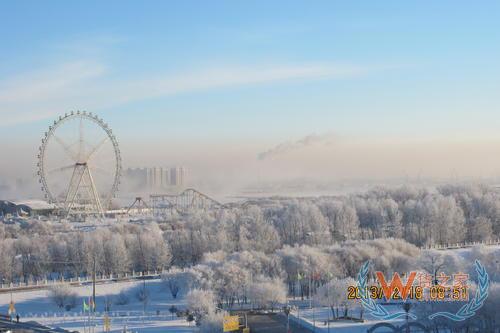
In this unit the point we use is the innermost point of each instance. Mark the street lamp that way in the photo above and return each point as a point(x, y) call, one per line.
point(286, 310)
point(407, 307)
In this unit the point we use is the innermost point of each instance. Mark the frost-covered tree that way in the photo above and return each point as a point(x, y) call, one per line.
point(302, 264)
point(201, 233)
point(479, 229)
point(230, 282)
point(268, 293)
point(342, 217)
point(212, 322)
point(334, 295)
point(258, 263)
point(116, 258)
point(31, 254)
point(63, 296)
point(446, 219)
point(200, 302)
point(7, 257)
point(149, 250)
point(249, 231)
point(415, 222)
point(301, 222)
point(181, 280)
point(489, 258)
point(435, 262)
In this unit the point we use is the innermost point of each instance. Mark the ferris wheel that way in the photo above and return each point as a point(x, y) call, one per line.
point(79, 164)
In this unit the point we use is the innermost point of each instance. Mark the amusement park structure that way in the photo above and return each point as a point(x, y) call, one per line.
point(189, 199)
point(79, 168)
point(79, 164)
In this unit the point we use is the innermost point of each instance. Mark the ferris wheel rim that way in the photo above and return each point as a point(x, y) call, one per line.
point(42, 173)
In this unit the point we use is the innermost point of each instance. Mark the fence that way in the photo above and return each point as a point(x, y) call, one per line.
point(41, 284)
point(460, 245)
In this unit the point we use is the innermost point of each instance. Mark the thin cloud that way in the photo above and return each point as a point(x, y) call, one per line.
point(48, 83)
point(227, 77)
point(43, 93)
point(286, 147)
point(48, 92)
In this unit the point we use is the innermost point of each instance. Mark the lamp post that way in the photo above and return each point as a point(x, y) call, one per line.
point(287, 309)
point(407, 307)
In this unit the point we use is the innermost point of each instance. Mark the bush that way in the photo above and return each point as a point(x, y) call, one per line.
point(172, 310)
point(142, 295)
point(200, 302)
point(108, 301)
point(122, 299)
point(212, 322)
point(63, 296)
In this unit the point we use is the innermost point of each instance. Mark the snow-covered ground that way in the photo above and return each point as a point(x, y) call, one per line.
point(318, 317)
point(36, 305)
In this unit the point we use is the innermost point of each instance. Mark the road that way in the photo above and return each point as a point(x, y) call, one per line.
point(272, 323)
point(7, 325)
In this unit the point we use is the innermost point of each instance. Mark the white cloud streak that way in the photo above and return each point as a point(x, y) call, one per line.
point(85, 85)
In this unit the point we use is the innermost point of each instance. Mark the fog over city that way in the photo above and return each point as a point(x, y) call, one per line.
point(320, 163)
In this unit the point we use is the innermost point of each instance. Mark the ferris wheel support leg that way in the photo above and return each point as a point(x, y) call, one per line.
point(95, 195)
point(74, 185)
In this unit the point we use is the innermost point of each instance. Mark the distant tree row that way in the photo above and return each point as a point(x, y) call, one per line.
point(444, 215)
point(122, 248)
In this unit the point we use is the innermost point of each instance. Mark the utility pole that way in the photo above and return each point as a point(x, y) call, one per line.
point(93, 294)
point(144, 295)
point(287, 312)
point(310, 299)
point(310, 285)
point(93, 283)
point(407, 307)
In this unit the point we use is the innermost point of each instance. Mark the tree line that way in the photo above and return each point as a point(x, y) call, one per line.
point(421, 216)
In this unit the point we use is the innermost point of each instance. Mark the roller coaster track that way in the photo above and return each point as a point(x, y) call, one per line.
point(188, 200)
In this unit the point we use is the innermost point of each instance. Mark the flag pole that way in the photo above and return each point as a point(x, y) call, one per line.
point(89, 318)
point(93, 294)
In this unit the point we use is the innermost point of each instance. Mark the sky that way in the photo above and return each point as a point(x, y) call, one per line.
point(262, 89)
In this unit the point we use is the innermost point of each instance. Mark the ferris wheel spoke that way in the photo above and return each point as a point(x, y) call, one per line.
point(96, 148)
point(66, 148)
point(67, 167)
point(81, 148)
point(99, 169)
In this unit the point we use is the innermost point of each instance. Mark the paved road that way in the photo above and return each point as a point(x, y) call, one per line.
point(272, 323)
point(30, 326)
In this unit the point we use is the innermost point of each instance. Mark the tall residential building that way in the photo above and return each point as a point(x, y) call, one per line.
point(154, 178)
point(177, 175)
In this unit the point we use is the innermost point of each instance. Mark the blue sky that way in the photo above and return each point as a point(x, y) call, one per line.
point(255, 72)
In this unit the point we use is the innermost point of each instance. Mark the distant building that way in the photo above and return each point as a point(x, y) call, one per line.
point(157, 177)
point(5, 188)
point(154, 178)
point(26, 208)
point(177, 176)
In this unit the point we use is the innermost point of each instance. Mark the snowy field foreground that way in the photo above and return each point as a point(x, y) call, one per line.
point(37, 306)
point(318, 317)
